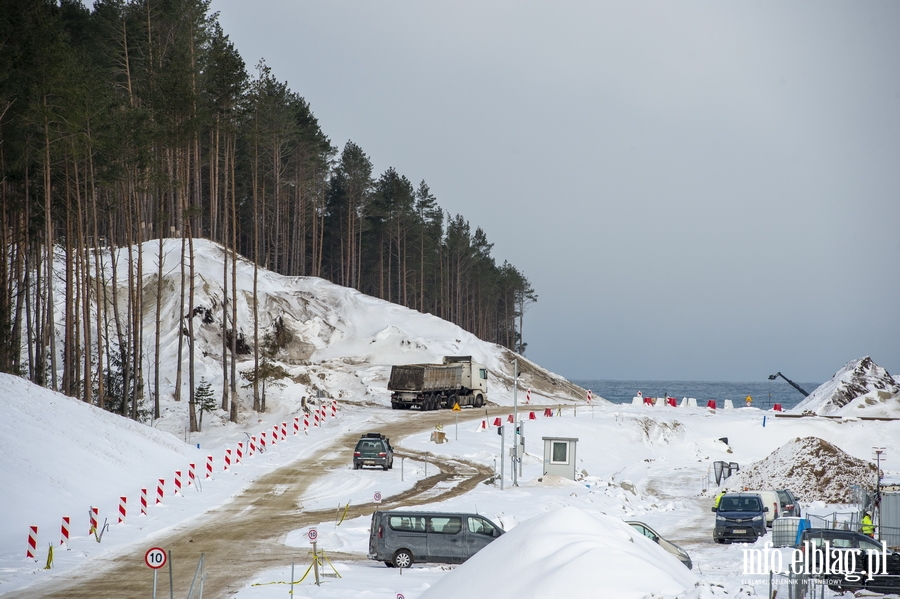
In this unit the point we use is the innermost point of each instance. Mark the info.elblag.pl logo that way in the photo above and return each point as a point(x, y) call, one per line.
point(813, 560)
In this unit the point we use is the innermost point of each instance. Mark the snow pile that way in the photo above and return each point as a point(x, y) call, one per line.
point(814, 469)
point(62, 453)
point(861, 388)
point(569, 553)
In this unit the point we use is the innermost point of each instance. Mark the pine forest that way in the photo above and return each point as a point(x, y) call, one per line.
point(132, 121)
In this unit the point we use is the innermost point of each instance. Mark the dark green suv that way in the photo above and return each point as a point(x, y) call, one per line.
point(373, 449)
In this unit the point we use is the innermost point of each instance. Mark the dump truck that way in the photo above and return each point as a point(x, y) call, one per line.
point(458, 380)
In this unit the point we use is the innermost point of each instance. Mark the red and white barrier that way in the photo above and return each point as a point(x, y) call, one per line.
point(239, 454)
point(177, 491)
point(32, 542)
point(648, 401)
point(777, 407)
point(296, 425)
point(509, 418)
point(497, 421)
point(484, 424)
point(64, 532)
point(334, 408)
point(527, 397)
point(95, 519)
point(160, 490)
point(283, 431)
point(227, 460)
point(192, 474)
point(671, 401)
point(316, 417)
point(143, 502)
point(274, 434)
point(711, 404)
point(590, 395)
point(548, 412)
point(306, 423)
point(252, 446)
point(209, 466)
point(531, 416)
point(123, 504)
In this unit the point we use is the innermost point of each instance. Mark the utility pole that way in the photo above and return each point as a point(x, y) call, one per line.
point(520, 441)
point(879, 451)
point(502, 457)
point(515, 477)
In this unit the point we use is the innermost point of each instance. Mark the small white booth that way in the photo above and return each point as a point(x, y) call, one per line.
point(559, 456)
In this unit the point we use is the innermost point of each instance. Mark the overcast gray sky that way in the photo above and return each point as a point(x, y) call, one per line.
point(696, 190)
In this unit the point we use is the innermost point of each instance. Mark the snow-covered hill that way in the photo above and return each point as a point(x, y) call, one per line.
point(332, 340)
point(860, 388)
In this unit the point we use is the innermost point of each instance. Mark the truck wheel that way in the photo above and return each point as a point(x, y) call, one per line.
point(479, 401)
point(403, 558)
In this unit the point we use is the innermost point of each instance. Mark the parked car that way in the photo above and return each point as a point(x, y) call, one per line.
point(790, 506)
point(669, 546)
point(740, 517)
point(772, 501)
point(373, 449)
point(401, 538)
point(846, 540)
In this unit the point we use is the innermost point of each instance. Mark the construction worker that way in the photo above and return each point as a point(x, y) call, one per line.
point(866, 526)
point(718, 499)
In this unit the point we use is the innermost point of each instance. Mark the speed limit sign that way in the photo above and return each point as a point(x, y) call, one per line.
point(312, 535)
point(155, 558)
point(377, 497)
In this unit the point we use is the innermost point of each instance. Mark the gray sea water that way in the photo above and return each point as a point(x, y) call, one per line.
point(764, 393)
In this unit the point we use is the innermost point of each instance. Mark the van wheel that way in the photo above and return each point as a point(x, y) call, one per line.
point(403, 558)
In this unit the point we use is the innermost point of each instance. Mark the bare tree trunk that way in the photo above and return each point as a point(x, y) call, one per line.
point(48, 219)
point(233, 416)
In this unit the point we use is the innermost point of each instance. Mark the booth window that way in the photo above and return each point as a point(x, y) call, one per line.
point(559, 452)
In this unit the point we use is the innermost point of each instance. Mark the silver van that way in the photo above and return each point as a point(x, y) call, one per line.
point(399, 538)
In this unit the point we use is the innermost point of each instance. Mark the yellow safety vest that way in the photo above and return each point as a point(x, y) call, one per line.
point(867, 527)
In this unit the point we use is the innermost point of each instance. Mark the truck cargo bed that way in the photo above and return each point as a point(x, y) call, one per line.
point(425, 377)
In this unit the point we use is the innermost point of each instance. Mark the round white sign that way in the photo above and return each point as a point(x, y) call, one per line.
point(155, 558)
point(377, 497)
point(312, 534)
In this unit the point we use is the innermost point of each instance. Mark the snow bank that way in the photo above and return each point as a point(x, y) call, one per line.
point(568, 553)
point(61, 453)
point(860, 388)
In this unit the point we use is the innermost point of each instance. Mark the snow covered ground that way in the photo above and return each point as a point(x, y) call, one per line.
point(565, 538)
point(644, 463)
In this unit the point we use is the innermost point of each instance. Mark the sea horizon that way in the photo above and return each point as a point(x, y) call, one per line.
point(764, 394)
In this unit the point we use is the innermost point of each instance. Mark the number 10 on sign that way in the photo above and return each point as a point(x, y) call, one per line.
point(155, 558)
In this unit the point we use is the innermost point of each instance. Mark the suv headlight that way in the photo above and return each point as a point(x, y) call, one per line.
point(757, 518)
point(721, 518)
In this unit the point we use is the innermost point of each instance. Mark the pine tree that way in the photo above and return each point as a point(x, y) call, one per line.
point(205, 399)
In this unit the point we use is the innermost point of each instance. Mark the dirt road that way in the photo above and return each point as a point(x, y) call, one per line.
point(246, 535)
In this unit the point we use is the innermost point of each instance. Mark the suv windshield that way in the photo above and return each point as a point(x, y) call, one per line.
point(740, 504)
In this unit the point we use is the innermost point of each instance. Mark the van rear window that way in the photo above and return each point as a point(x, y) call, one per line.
point(407, 523)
